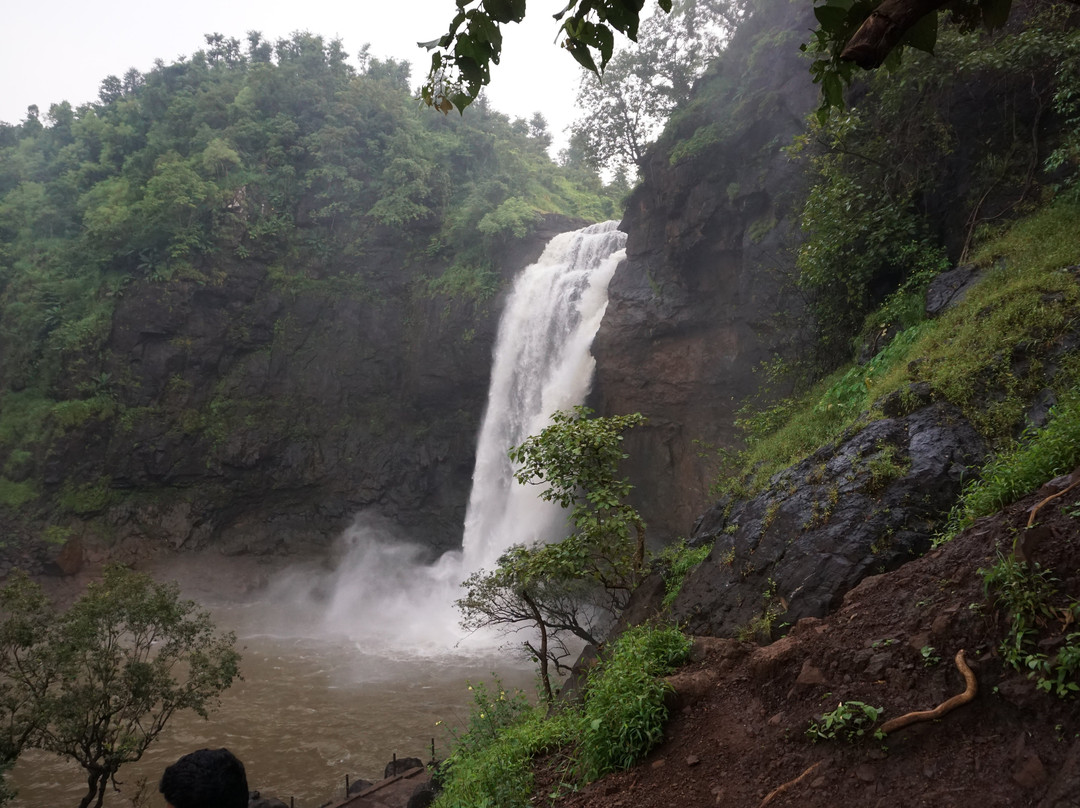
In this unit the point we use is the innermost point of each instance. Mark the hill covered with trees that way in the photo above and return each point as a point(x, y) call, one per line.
point(257, 286)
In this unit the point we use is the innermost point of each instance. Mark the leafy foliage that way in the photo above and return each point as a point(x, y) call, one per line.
point(1028, 594)
point(850, 721)
point(865, 233)
point(890, 26)
point(624, 706)
point(577, 459)
point(675, 561)
point(462, 58)
point(1023, 309)
point(490, 763)
point(625, 109)
point(99, 682)
point(621, 719)
point(574, 587)
point(278, 153)
point(871, 214)
point(1039, 456)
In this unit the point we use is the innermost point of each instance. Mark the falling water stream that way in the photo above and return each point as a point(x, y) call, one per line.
point(346, 665)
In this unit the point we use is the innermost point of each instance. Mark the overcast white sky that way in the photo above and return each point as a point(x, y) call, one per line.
point(60, 50)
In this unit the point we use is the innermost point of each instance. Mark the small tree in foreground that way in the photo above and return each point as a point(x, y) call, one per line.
point(576, 586)
point(98, 682)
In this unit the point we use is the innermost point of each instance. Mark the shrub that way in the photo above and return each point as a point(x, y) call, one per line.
point(850, 721)
point(490, 766)
point(624, 707)
point(1028, 595)
point(1039, 456)
point(678, 560)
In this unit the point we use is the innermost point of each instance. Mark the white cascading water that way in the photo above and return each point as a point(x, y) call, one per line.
point(542, 364)
point(380, 595)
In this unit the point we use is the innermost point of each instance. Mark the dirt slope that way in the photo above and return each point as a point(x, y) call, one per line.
point(743, 734)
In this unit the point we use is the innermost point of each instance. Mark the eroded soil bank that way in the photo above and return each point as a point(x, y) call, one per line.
point(739, 733)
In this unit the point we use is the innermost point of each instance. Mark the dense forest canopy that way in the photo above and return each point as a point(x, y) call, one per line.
point(276, 154)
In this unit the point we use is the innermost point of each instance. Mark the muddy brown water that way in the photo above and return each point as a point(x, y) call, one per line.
point(311, 709)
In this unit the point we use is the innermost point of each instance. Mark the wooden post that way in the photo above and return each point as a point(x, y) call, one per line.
point(346, 786)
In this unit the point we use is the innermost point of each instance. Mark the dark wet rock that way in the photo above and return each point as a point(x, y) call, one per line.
point(949, 288)
point(423, 797)
point(260, 414)
point(699, 303)
point(1064, 789)
point(401, 765)
point(864, 505)
point(256, 800)
point(356, 786)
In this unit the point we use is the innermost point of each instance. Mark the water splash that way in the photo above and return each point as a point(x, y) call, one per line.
point(380, 594)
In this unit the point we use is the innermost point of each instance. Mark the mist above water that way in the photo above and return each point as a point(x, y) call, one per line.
point(382, 595)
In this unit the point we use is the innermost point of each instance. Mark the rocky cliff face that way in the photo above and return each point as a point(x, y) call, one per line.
point(261, 411)
point(704, 296)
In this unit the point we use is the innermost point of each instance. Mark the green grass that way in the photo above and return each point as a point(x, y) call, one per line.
point(624, 705)
point(15, 495)
point(1022, 467)
point(988, 355)
point(677, 560)
point(621, 720)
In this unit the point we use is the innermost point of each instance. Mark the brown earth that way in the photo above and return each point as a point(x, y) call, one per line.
point(738, 728)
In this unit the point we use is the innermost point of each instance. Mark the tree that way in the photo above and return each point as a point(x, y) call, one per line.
point(576, 586)
point(99, 682)
point(626, 109)
point(462, 58)
point(851, 34)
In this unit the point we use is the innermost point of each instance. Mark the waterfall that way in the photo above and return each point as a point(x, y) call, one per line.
point(380, 594)
point(541, 364)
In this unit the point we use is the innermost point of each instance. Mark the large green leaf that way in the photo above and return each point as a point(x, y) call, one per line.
point(505, 10)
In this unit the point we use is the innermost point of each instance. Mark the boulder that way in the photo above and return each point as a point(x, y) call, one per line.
point(861, 506)
point(401, 765)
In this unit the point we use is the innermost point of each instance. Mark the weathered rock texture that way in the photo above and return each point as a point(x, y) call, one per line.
point(262, 412)
point(864, 505)
point(701, 300)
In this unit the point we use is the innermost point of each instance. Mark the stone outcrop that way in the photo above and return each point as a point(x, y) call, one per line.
point(700, 301)
point(865, 505)
point(260, 411)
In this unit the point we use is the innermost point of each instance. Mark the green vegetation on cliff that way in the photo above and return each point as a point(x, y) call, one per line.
point(990, 355)
point(273, 182)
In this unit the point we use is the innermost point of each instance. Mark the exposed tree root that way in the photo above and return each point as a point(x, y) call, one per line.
point(776, 792)
point(970, 689)
point(1035, 510)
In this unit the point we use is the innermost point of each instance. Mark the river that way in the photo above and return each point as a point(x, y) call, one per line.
point(313, 706)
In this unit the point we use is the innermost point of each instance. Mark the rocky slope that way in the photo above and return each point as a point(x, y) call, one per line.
point(705, 294)
point(737, 736)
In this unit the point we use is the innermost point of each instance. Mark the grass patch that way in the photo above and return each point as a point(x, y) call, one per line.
point(624, 705)
point(989, 356)
point(89, 498)
point(1022, 467)
point(621, 720)
point(678, 560)
point(15, 495)
point(1030, 598)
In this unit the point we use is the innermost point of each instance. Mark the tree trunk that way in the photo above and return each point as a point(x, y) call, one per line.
point(545, 676)
point(883, 30)
point(95, 787)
